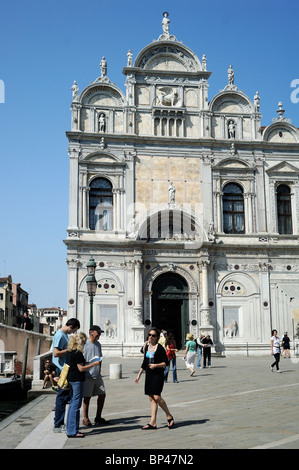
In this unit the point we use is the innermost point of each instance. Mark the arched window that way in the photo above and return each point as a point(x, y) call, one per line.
point(284, 210)
point(100, 205)
point(233, 209)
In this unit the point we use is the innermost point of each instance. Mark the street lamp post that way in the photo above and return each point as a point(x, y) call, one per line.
point(91, 283)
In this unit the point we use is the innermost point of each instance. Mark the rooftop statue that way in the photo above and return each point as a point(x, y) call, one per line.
point(231, 75)
point(257, 101)
point(75, 91)
point(165, 23)
point(166, 36)
point(129, 58)
point(231, 79)
point(103, 65)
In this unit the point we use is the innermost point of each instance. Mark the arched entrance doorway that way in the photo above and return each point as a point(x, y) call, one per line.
point(170, 307)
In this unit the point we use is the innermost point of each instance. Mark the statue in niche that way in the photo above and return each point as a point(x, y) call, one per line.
point(103, 65)
point(110, 328)
point(75, 91)
point(231, 329)
point(102, 123)
point(257, 101)
point(165, 23)
point(231, 129)
point(231, 75)
point(130, 58)
point(171, 193)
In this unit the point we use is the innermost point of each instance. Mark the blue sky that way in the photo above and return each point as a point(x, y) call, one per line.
point(44, 47)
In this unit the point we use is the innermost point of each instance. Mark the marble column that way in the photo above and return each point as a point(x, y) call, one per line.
point(205, 323)
point(137, 323)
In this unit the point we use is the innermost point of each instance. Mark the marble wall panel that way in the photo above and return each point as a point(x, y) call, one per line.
point(191, 98)
point(143, 95)
point(118, 121)
point(160, 192)
point(192, 126)
point(85, 125)
point(143, 192)
point(193, 166)
point(160, 168)
point(144, 123)
point(144, 167)
point(176, 168)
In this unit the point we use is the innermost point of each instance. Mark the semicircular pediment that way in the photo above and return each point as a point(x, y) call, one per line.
point(232, 163)
point(104, 157)
point(281, 132)
point(231, 102)
point(166, 62)
point(102, 95)
point(166, 56)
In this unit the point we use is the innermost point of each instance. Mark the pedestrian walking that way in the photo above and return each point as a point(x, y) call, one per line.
point(60, 343)
point(286, 345)
point(208, 343)
point(76, 380)
point(275, 350)
point(190, 353)
point(163, 337)
point(171, 349)
point(154, 363)
point(199, 346)
point(94, 384)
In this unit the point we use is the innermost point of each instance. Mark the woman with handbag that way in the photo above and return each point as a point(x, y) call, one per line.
point(154, 362)
point(76, 379)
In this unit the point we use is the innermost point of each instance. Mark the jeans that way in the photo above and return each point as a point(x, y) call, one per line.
point(63, 396)
point(174, 374)
point(73, 416)
point(199, 351)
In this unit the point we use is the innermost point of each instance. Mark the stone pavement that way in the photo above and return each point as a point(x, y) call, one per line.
point(237, 404)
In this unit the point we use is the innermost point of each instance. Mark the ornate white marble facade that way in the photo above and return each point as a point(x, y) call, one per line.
point(189, 207)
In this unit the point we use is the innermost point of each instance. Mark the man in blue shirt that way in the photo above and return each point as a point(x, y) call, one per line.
point(60, 343)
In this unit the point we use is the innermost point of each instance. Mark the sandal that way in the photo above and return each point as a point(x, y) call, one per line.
point(169, 421)
point(79, 435)
point(86, 422)
point(148, 427)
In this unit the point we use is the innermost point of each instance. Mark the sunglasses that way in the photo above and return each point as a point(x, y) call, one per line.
point(154, 336)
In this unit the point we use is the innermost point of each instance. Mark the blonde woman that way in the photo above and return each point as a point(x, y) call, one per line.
point(76, 379)
point(190, 353)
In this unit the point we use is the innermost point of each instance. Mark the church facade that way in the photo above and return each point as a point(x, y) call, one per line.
point(188, 206)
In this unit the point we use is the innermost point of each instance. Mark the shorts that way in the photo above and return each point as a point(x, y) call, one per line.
point(94, 387)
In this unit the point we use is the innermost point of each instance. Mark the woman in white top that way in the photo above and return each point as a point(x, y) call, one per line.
point(275, 350)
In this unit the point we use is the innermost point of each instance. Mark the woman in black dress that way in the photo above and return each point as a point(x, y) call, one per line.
point(154, 363)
